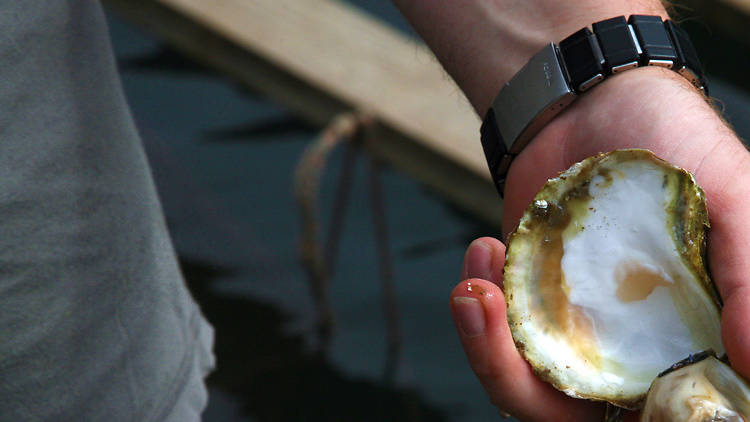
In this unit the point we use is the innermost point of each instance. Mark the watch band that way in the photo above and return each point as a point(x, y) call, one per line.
point(557, 74)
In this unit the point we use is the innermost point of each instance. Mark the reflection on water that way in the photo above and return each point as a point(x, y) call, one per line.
point(274, 374)
point(267, 130)
point(164, 59)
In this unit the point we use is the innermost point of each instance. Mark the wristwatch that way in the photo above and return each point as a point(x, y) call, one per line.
point(557, 74)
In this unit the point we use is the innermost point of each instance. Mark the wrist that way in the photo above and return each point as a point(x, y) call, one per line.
point(648, 107)
point(518, 37)
point(482, 44)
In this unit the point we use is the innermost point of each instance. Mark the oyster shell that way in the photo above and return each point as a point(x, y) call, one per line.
point(698, 390)
point(605, 278)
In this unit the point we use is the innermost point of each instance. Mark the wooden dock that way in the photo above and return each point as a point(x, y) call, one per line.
point(322, 57)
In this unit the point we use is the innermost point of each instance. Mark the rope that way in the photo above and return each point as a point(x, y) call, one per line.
point(348, 130)
point(319, 264)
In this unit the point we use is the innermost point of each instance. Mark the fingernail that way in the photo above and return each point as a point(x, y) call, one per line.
point(479, 261)
point(470, 315)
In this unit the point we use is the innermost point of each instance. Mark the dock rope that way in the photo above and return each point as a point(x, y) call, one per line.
point(351, 131)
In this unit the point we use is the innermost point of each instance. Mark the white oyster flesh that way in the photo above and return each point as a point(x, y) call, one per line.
point(603, 296)
point(706, 391)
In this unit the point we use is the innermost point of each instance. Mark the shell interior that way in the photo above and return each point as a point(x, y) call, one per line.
point(605, 278)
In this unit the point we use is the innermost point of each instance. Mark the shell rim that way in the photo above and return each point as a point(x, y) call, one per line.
point(546, 374)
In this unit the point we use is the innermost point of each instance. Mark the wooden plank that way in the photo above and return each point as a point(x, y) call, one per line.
point(320, 57)
point(741, 6)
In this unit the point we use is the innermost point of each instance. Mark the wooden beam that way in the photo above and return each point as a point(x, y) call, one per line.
point(741, 6)
point(322, 57)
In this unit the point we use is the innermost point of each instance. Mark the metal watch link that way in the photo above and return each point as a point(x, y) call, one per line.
point(557, 74)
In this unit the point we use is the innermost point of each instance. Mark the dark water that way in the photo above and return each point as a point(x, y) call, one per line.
point(223, 159)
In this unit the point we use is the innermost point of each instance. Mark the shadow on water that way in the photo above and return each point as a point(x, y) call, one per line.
point(268, 130)
point(275, 375)
point(435, 245)
point(723, 57)
point(472, 229)
point(165, 60)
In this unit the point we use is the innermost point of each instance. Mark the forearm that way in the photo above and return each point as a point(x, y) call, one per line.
point(482, 44)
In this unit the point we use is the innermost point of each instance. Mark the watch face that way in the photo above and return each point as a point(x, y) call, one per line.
point(536, 93)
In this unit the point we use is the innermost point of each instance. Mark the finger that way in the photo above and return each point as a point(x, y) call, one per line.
point(478, 309)
point(484, 259)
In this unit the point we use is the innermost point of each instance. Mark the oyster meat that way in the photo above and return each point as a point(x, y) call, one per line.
point(704, 391)
point(605, 278)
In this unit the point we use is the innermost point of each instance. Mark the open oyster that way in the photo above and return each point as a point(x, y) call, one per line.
point(605, 278)
point(698, 390)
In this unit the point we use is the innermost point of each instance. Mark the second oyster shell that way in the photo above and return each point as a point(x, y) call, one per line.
point(698, 390)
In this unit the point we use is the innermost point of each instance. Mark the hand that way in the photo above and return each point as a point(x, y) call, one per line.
point(482, 44)
point(644, 108)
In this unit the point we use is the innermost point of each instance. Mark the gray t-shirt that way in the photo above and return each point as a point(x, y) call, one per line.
point(95, 320)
